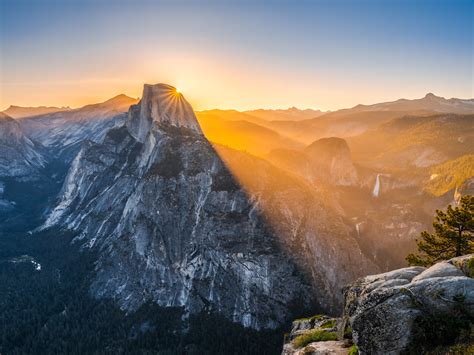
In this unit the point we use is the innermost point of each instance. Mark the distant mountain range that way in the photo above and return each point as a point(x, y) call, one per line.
point(63, 132)
point(19, 111)
point(429, 103)
point(58, 134)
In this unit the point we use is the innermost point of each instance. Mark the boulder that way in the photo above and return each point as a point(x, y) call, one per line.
point(411, 309)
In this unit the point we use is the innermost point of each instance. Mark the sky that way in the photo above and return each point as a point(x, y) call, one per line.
point(235, 54)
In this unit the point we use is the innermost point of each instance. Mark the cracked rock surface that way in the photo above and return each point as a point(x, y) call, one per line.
point(389, 313)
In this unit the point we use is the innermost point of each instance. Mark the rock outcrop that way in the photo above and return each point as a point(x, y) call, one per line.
point(412, 308)
point(404, 311)
point(332, 155)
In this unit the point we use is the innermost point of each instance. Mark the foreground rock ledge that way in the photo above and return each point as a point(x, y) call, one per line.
point(404, 311)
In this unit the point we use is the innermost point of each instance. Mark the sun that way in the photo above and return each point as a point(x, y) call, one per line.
point(178, 90)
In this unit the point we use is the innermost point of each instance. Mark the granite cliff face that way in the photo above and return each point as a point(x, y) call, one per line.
point(172, 224)
point(19, 156)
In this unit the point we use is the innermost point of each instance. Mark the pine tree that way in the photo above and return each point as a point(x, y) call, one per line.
point(453, 236)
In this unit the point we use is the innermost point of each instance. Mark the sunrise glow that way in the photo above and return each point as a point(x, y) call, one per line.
point(238, 57)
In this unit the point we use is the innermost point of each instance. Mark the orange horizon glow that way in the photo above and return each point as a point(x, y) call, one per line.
point(207, 82)
point(211, 82)
point(76, 95)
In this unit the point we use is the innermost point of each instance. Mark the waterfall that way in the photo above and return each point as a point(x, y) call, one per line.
point(358, 228)
point(376, 190)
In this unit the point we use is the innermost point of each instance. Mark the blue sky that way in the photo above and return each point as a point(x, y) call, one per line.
point(235, 54)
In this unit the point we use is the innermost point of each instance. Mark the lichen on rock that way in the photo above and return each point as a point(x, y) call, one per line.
point(411, 309)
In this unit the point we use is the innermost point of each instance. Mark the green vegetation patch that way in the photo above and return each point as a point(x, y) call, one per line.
point(329, 324)
point(354, 350)
point(309, 319)
point(452, 237)
point(313, 336)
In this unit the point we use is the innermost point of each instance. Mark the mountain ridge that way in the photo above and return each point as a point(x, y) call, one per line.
point(21, 111)
point(62, 133)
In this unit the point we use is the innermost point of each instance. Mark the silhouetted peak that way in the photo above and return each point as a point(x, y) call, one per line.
point(161, 104)
point(431, 96)
point(164, 103)
point(119, 101)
